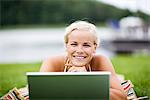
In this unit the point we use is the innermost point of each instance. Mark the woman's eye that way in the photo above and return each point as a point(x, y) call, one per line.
point(86, 45)
point(73, 44)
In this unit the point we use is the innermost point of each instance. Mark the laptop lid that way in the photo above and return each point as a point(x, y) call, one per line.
point(68, 86)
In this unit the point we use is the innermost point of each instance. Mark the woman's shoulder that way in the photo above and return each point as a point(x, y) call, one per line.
point(54, 63)
point(100, 62)
point(99, 57)
point(57, 60)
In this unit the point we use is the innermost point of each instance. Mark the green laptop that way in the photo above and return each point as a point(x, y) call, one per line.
point(68, 85)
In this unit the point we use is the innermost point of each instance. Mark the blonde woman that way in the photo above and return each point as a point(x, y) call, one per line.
point(81, 42)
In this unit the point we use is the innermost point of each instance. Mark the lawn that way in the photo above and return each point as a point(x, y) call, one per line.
point(14, 75)
point(135, 68)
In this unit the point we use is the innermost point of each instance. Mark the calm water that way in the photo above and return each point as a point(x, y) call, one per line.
point(31, 45)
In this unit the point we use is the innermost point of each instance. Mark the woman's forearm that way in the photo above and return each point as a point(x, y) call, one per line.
point(117, 95)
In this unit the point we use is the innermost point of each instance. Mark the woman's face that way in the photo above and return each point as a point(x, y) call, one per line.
point(80, 47)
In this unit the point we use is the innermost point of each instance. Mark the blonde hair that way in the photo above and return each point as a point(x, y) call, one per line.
point(82, 25)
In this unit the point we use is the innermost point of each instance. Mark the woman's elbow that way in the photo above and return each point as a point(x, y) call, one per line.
point(117, 95)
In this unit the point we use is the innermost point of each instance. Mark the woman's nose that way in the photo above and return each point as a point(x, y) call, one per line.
point(79, 49)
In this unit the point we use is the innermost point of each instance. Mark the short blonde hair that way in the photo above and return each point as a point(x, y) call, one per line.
point(82, 25)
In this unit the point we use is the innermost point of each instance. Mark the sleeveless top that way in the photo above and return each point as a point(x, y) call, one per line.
point(69, 65)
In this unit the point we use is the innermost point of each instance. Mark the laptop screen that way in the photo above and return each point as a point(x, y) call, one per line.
point(70, 85)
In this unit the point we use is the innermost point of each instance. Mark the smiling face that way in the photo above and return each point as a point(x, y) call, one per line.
point(80, 47)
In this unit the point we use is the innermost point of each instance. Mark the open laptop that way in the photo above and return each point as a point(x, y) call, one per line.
point(68, 85)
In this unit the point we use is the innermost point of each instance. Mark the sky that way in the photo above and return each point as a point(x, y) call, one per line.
point(132, 5)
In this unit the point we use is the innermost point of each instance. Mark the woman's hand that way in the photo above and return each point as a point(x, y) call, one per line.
point(77, 69)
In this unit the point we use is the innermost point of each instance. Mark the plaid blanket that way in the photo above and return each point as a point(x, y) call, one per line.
point(17, 94)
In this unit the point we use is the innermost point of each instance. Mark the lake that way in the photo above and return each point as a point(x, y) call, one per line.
point(32, 45)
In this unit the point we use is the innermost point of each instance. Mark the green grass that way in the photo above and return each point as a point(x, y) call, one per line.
point(135, 68)
point(14, 75)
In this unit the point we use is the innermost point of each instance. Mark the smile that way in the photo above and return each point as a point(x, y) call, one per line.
point(79, 57)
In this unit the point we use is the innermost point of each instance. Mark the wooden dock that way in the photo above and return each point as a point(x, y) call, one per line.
point(130, 46)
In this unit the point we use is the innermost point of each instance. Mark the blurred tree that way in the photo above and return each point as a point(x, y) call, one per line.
point(18, 12)
point(8, 12)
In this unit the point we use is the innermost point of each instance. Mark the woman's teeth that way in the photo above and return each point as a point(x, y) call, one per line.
point(79, 57)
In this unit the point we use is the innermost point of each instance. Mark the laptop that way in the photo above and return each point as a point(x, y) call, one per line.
point(68, 85)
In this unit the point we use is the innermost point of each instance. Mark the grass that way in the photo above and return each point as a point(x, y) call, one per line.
point(14, 75)
point(135, 68)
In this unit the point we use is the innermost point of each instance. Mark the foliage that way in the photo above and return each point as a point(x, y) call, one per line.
point(20, 12)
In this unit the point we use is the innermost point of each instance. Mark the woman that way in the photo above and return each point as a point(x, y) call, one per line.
point(81, 41)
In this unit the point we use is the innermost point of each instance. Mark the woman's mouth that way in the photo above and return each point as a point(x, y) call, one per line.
point(79, 57)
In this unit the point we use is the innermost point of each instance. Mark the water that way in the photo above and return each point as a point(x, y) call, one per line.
point(31, 45)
